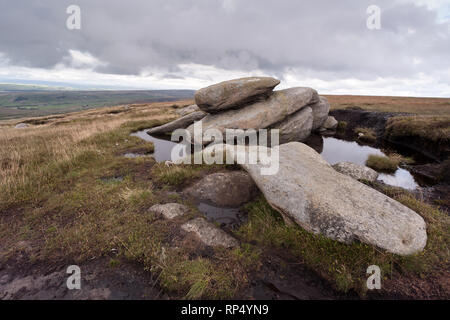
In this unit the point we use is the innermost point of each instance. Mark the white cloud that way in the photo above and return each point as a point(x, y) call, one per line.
point(78, 59)
point(442, 7)
point(193, 43)
point(195, 76)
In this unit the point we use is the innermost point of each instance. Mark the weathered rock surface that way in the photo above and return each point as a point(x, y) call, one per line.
point(182, 123)
point(170, 210)
point(320, 112)
point(224, 189)
point(330, 124)
point(21, 126)
point(356, 171)
point(187, 110)
point(297, 126)
point(209, 234)
point(308, 191)
point(262, 114)
point(234, 93)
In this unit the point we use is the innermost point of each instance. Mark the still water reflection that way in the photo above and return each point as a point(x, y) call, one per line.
point(332, 149)
point(336, 150)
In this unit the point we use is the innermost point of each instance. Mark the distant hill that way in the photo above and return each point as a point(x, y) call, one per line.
point(12, 87)
point(24, 101)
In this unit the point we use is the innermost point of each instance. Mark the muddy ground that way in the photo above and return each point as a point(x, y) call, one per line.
point(22, 279)
point(279, 278)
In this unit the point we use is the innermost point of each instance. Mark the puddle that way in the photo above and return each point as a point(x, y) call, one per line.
point(336, 150)
point(227, 217)
point(163, 147)
point(401, 178)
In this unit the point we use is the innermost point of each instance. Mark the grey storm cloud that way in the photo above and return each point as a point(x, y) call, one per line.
point(328, 37)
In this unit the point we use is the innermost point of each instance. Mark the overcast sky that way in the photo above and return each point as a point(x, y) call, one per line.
point(189, 44)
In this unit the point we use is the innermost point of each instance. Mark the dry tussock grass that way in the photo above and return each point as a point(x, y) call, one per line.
point(25, 154)
point(434, 106)
point(25, 150)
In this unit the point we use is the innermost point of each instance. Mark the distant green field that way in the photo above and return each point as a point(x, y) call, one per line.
point(30, 87)
point(19, 104)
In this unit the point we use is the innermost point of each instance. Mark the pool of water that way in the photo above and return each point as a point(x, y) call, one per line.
point(227, 217)
point(401, 178)
point(163, 147)
point(332, 149)
point(336, 150)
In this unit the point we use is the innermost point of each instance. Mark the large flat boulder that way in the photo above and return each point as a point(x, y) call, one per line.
point(234, 93)
point(308, 191)
point(297, 126)
point(224, 189)
point(179, 123)
point(320, 112)
point(262, 114)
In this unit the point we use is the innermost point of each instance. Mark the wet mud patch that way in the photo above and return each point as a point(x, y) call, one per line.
point(227, 218)
point(281, 278)
point(100, 280)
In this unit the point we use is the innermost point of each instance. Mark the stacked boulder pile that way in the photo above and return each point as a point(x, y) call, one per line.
point(251, 103)
point(306, 190)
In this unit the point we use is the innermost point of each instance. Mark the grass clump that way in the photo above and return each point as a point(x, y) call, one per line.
point(388, 163)
point(342, 125)
point(366, 134)
point(382, 163)
point(175, 175)
point(197, 279)
point(435, 129)
point(113, 263)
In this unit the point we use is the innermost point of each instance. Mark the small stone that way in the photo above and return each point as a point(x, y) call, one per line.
point(170, 210)
point(209, 234)
point(330, 124)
